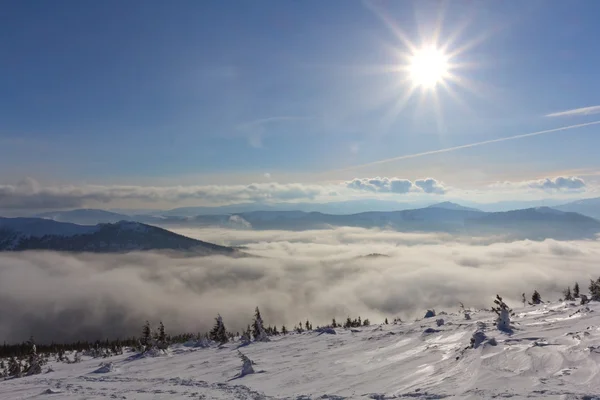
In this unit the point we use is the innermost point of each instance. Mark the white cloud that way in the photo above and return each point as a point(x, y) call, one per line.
point(556, 184)
point(576, 112)
point(396, 185)
point(311, 274)
point(430, 185)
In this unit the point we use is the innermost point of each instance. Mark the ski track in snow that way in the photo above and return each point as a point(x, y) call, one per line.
point(553, 353)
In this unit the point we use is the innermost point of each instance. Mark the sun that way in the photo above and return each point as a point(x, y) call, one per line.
point(428, 67)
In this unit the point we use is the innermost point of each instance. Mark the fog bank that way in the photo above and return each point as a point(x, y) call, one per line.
point(311, 274)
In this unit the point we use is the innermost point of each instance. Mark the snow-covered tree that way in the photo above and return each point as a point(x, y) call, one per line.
point(258, 329)
point(146, 340)
point(576, 290)
point(536, 298)
point(524, 299)
point(218, 332)
point(15, 368)
point(504, 313)
point(35, 362)
point(162, 342)
point(246, 365)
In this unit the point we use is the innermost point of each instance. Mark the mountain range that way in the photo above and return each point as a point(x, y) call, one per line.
point(536, 223)
point(18, 234)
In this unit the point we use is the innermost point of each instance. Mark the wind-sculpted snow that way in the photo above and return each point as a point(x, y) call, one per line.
point(318, 275)
point(553, 353)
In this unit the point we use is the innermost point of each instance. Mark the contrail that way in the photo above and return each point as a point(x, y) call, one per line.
point(466, 146)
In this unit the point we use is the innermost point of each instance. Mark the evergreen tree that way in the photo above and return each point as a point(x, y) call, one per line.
point(333, 323)
point(246, 364)
point(348, 323)
point(386, 321)
point(595, 290)
point(308, 326)
point(34, 360)
point(14, 367)
point(536, 298)
point(568, 295)
point(366, 322)
point(218, 332)
point(524, 299)
point(162, 341)
point(284, 330)
point(146, 339)
point(503, 312)
point(576, 290)
point(258, 330)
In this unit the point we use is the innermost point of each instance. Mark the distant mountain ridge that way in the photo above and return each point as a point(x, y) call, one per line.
point(533, 223)
point(18, 234)
point(588, 207)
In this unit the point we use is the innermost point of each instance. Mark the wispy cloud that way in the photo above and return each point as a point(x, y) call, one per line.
point(577, 112)
point(467, 146)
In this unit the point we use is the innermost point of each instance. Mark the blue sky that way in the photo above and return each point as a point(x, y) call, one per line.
point(293, 92)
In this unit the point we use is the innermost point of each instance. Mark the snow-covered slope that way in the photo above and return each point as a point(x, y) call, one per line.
point(553, 353)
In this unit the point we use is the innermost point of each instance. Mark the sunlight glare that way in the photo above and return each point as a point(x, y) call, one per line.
point(428, 67)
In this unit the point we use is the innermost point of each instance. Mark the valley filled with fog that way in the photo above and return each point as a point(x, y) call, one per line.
point(291, 276)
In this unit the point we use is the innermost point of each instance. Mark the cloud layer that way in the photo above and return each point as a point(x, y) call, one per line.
point(396, 185)
point(556, 184)
point(28, 194)
point(316, 275)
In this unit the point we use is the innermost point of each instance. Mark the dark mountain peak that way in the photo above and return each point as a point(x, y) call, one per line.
point(17, 234)
point(448, 205)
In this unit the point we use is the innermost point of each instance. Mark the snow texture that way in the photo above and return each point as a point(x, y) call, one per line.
point(553, 352)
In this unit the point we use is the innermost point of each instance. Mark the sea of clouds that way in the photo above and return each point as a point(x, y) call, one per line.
point(318, 275)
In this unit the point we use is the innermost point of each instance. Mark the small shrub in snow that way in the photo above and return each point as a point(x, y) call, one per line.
point(105, 368)
point(35, 362)
point(467, 316)
point(584, 299)
point(430, 314)
point(246, 365)
point(504, 313)
point(439, 322)
point(536, 298)
point(480, 338)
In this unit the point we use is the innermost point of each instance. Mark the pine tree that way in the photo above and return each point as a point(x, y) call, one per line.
point(284, 330)
point(595, 290)
point(258, 330)
point(14, 368)
point(576, 290)
point(567, 294)
point(386, 321)
point(536, 298)
point(348, 323)
point(366, 322)
point(524, 299)
point(162, 341)
point(246, 364)
point(333, 323)
point(146, 339)
point(34, 360)
point(308, 326)
point(504, 313)
point(219, 333)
